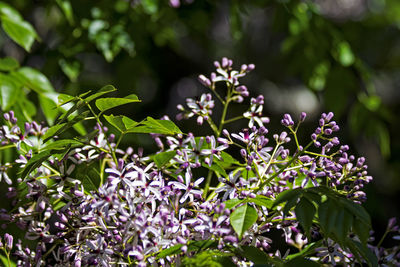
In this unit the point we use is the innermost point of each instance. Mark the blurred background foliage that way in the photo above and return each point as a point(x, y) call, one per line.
point(314, 56)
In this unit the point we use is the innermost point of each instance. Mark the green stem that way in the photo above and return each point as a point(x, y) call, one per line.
point(222, 122)
point(383, 237)
point(283, 168)
point(218, 133)
point(234, 119)
point(108, 143)
point(219, 97)
point(316, 154)
point(208, 181)
point(212, 125)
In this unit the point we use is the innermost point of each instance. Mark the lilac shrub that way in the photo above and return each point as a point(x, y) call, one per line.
point(88, 202)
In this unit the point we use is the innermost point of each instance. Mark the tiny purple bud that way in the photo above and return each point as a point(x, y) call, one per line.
point(251, 67)
point(204, 80)
point(200, 120)
point(225, 62)
point(314, 136)
point(243, 153)
point(78, 261)
point(329, 116)
point(225, 132)
point(241, 88)
point(303, 116)
point(8, 240)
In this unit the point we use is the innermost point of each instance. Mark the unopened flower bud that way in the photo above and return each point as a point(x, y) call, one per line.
point(200, 120)
point(8, 241)
point(204, 80)
point(225, 62)
point(251, 67)
point(303, 116)
point(329, 116)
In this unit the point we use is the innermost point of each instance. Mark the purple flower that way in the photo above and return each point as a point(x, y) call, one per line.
point(188, 186)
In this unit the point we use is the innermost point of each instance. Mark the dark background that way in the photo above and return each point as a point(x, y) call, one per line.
point(313, 56)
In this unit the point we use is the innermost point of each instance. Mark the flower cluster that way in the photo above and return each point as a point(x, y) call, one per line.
point(87, 202)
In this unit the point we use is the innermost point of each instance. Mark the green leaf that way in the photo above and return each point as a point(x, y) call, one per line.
point(4, 260)
point(35, 162)
point(383, 136)
point(151, 125)
point(49, 108)
point(305, 211)
point(8, 64)
point(104, 104)
point(65, 99)
point(8, 11)
point(366, 254)
point(227, 160)
point(231, 203)
point(296, 262)
point(33, 79)
point(254, 254)
point(260, 200)
point(122, 123)
point(150, 6)
point(65, 126)
point(216, 168)
point(312, 196)
point(357, 210)
point(361, 229)
point(164, 157)
point(9, 92)
point(343, 223)
point(24, 109)
point(89, 177)
point(307, 250)
point(104, 90)
point(70, 69)
point(176, 249)
point(71, 110)
point(287, 195)
point(201, 245)
point(344, 54)
point(66, 8)
point(51, 132)
point(19, 31)
point(327, 213)
point(62, 144)
point(289, 205)
point(243, 218)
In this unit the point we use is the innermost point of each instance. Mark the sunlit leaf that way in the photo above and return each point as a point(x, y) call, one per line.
point(176, 249)
point(164, 157)
point(9, 92)
point(243, 218)
point(122, 123)
point(19, 31)
point(33, 79)
point(151, 125)
point(104, 104)
point(8, 63)
point(66, 8)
